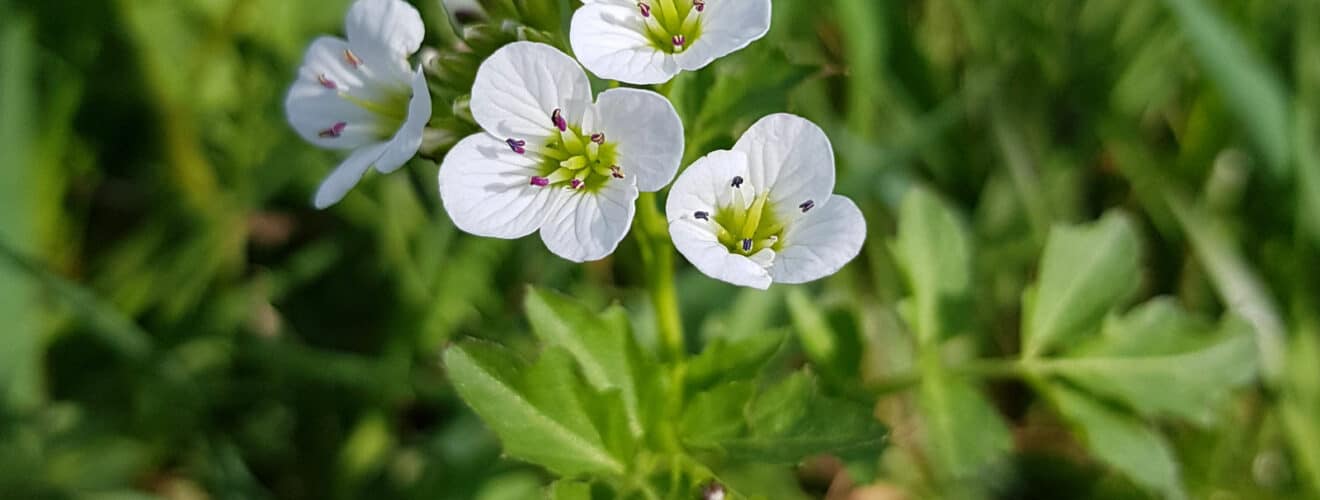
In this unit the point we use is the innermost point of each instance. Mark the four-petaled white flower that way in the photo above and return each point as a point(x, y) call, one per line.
point(649, 41)
point(764, 212)
point(552, 160)
point(362, 95)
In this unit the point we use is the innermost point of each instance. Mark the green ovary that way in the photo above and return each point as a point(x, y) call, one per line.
point(757, 223)
point(670, 19)
point(572, 155)
point(391, 110)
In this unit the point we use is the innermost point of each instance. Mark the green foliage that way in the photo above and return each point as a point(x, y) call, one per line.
point(1085, 273)
point(934, 252)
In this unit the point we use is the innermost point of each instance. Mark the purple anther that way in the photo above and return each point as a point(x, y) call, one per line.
point(807, 205)
point(616, 172)
point(539, 181)
point(701, 215)
point(326, 82)
point(645, 8)
point(557, 118)
point(699, 5)
point(576, 184)
point(334, 131)
point(737, 181)
point(679, 40)
point(747, 245)
point(598, 138)
point(517, 145)
point(351, 58)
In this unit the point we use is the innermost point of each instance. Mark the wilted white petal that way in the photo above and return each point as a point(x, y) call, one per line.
point(648, 132)
point(820, 243)
point(589, 226)
point(409, 137)
point(347, 175)
point(608, 38)
point(727, 26)
point(791, 157)
point(520, 86)
point(486, 191)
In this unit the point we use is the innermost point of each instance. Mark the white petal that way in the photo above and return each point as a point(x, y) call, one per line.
point(727, 27)
point(820, 243)
point(791, 157)
point(409, 137)
point(648, 132)
point(589, 226)
point(347, 175)
point(485, 187)
point(519, 87)
point(383, 33)
point(609, 39)
point(704, 187)
point(313, 109)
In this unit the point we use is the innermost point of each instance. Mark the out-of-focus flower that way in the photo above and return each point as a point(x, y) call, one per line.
point(361, 95)
point(650, 41)
point(552, 160)
point(764, 212)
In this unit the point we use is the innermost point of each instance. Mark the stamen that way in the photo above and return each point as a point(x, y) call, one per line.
point(352, 59)
point(616, 172)
point(747, 245)
point(701, 215)
point(598, 138)
point(679, 41)
point(333, 132)
point(700, 5)
point(737, 181)
point(518, 146)
point(807, 205)
point(557, 118)
point(326, 82)
point(645, 8)
point(576, 184)
point(539, 181)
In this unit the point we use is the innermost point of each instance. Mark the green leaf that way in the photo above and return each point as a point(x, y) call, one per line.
point(728, 360)
point(544, 413)
point(934, 253)
point(1125, 443)
point(1158, 341)
point(1250, 87)
point(716, 414)
point(791, 421)
point(602, 344)
point(966, 437)
point(569, 490)
point(1085, 272)
point(836, 353)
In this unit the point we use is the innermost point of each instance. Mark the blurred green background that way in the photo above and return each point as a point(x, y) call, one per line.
point(178, 322)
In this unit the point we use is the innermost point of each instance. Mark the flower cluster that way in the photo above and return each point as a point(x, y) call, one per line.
point(552, 159)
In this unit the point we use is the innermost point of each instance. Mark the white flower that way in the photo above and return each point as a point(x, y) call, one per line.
point(649, 41)
point(361, 94)
point(764, 212)
point(552, 160)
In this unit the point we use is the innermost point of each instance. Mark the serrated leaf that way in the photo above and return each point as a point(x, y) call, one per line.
point(965, 436)
point(791, 421)
point(1159, 342)
point(602, 344)
point(543, 413)
point(934, 253)
point(1086, 271)
point(728, 360)
point(1125, 443)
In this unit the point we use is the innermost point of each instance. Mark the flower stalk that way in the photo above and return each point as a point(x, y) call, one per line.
point(657, 251)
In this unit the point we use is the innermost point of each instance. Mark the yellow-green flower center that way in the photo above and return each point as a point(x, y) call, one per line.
point(672, 25)
point(577, 160)
point(747, 229)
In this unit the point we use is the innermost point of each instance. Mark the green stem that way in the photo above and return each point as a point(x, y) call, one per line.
point(652, 235)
